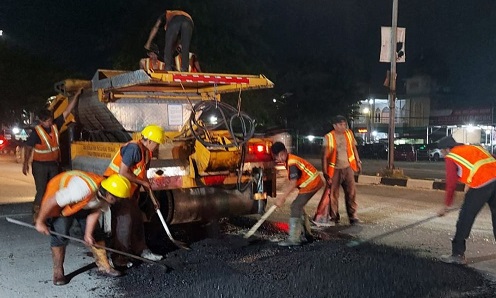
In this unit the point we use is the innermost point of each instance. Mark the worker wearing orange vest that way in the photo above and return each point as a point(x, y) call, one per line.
point(302, 176)
point(178, 26)
point(152, 63)
point(43, 144)
point(80, 196)
point(339, 162)
point(475, 167)
point(132, 161)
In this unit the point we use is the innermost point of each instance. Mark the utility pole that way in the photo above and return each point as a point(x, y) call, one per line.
point(392, 86)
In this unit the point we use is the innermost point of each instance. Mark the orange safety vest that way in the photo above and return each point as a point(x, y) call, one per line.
point(149, 66)
point(333, 152)
point(139, 169)
point(478, 167)
point(61, 181)
point(191, 67)
point(169, 14)
point(310, 178)
point(48, 150)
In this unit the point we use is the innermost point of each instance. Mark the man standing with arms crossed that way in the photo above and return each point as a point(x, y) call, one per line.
point(340, 161)
point(44, 142)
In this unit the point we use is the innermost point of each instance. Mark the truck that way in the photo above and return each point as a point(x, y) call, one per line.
point(212, 164)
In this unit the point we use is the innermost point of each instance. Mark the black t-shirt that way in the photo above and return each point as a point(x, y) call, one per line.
point(34, 138)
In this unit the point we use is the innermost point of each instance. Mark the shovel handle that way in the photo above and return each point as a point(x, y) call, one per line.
point(260, 221)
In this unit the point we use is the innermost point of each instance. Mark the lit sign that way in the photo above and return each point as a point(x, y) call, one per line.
point(362, 130)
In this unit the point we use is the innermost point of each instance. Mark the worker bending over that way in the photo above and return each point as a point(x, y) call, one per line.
point(302, 176)
point(80, 196)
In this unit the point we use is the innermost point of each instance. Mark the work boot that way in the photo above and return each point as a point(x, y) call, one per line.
point(102, 261)
point(295, 229)
point(149, 255)
point(454, 259)
point(58, 256)
point(307, 227)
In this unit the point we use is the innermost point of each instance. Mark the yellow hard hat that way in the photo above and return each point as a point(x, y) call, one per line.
point(118, 186)
point(154, 133)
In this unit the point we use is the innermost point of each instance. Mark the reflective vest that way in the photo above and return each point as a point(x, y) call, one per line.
point(309, 179)
point(476, 166)
point(332, 151)
point(48, 150)
point(169, 14)
point(61, 181)
point(138, 169)
point(191, 67)
point(148, 65)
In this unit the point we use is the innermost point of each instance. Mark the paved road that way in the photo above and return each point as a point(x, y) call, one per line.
point(25, 262)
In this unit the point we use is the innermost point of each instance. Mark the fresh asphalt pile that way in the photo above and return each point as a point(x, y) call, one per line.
point(230, 266)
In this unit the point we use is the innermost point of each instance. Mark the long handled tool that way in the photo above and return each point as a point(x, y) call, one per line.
point(355, 243)
point(260, 221)
point(157, 209)
point(24, 224)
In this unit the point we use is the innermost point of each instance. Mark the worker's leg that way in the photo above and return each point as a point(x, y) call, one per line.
point(334, 205)
point(475, 198)
point(171, 36)
point(186, 34)
point(349, 188)
point(59, 225)
point(138, 241)
point(42, 173)
point(121, 230)
point(492, 206)
point(295, 222)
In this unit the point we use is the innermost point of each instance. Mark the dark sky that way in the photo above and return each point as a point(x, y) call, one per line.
point(457, 38)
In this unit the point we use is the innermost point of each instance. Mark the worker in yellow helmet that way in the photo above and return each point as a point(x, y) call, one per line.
point(80, 196)
point(132, 161)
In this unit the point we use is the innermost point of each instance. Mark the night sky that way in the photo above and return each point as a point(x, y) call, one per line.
point(453, 38)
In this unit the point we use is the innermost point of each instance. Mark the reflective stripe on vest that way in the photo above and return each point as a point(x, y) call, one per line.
point(90, 181)
point(473, 168)
point(312, 175)
point(331, 141)
point(48, 150)
point(178, 59)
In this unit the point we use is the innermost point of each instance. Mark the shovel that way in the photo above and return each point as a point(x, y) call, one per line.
point(260, 221)
point(157, 209)
point(24, 224)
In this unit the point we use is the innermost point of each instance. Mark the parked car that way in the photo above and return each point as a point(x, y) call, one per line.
point(435, 153)
point(404, 152)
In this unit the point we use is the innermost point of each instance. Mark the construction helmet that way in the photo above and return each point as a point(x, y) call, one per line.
point(117, 185)
point(154, 133)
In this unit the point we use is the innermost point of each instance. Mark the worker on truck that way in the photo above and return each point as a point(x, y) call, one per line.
point(43, 143)
point(152, 63)
point(178, 26)
point(131, 161)
point(302, 176)
point(80, 196)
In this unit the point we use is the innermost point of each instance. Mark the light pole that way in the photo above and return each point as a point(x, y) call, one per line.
point(392, 86)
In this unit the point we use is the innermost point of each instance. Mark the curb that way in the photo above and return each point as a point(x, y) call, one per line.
point(408, 183)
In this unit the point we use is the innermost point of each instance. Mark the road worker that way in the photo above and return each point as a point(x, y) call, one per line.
point(43, 143)
point(340, 161)
point(80, 196)
point(178, 26)
point(476, 167)
point(194, 62)
point(302, 176)
point(152, 63)
point(131, 161)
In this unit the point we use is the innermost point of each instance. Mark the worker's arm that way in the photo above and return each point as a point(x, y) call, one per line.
point(72, 103)
point(325, 162)
point(125, 171)
point(28, 151)
point(47, 205)
point(451, 181)
point(153, 33)
point(91, 221)
point(357, 158)
point(290, 187)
